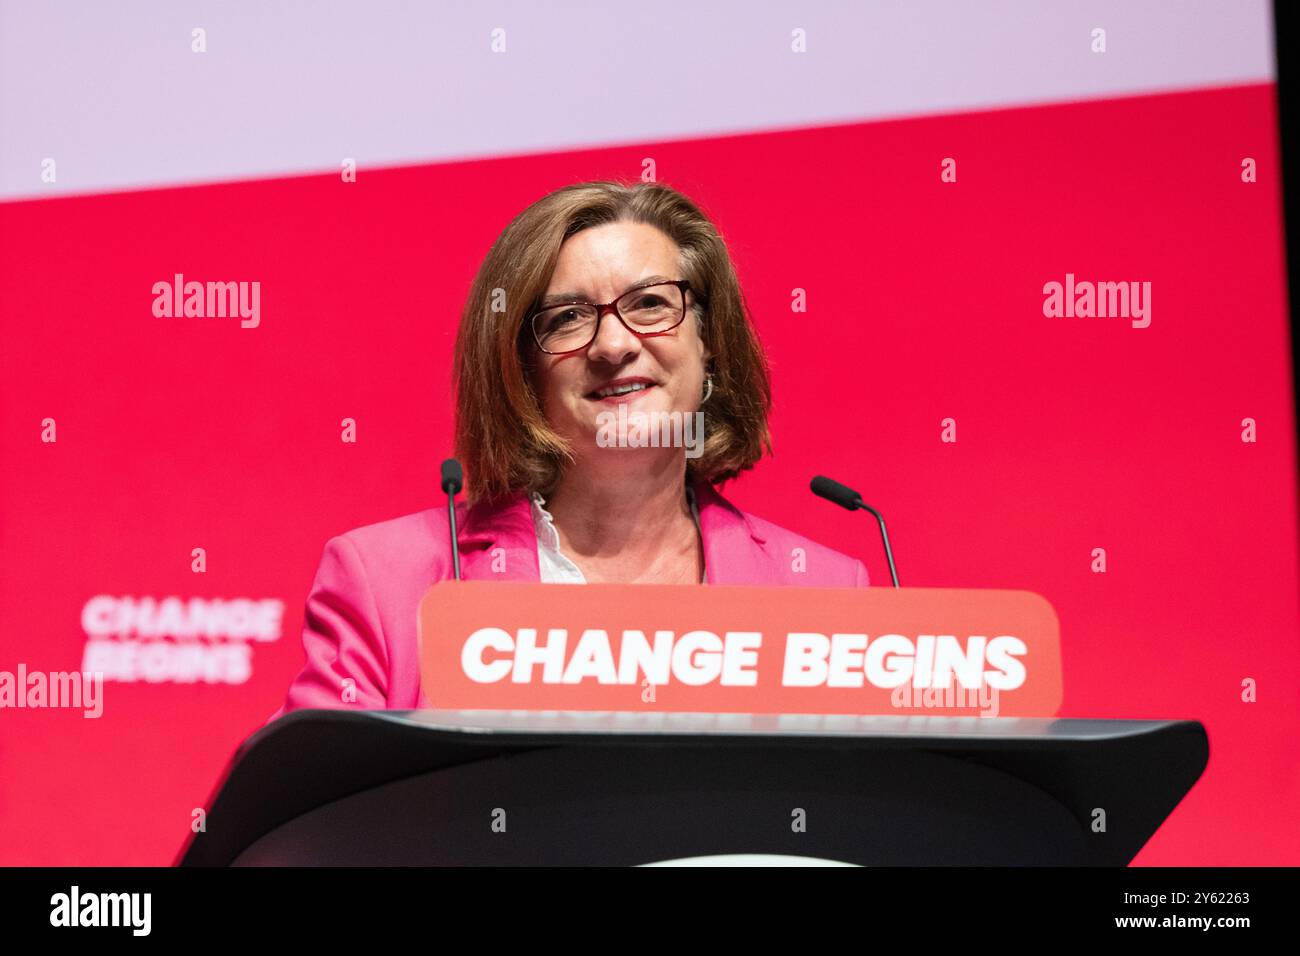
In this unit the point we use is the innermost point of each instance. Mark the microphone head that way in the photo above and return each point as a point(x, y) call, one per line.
point(452, 476)
point(842, 495)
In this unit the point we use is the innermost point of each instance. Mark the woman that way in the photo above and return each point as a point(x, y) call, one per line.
point(607, 377)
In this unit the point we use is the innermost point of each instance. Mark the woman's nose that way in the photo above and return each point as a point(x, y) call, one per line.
point(613, 342)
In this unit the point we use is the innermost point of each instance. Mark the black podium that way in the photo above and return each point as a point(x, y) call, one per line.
point(334, 787)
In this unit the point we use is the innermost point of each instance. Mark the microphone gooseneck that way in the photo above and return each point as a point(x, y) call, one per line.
point(847, 498)
point(453, 479)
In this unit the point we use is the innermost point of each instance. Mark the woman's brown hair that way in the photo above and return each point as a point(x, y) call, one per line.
point(502, 437)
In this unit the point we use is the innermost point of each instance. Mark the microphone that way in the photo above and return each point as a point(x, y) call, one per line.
point(846, 497)
point(453, 477)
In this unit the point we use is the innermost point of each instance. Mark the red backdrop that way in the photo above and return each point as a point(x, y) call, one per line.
point(924, 303)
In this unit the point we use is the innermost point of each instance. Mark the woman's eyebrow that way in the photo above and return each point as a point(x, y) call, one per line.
point(563, 298)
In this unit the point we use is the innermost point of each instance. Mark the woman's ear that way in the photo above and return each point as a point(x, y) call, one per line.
point(700, 319)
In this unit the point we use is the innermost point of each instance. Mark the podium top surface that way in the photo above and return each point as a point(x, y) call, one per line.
point(571, 727)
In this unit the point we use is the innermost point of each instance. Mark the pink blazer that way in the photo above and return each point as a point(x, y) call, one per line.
point(361, 613)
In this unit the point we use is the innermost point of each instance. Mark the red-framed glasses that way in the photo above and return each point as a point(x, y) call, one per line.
point(645, 310)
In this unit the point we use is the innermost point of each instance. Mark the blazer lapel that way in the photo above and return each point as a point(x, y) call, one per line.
point(498, 541)
point(733, 547)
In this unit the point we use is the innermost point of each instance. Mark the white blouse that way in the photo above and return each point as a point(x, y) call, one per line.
point(554, 566)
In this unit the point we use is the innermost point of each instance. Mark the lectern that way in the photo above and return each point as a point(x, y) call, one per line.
point(443, 787)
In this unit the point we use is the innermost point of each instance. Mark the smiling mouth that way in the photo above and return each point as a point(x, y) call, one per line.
point(614, 391)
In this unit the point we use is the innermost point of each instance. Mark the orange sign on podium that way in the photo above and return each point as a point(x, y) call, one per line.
point(611, 647)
